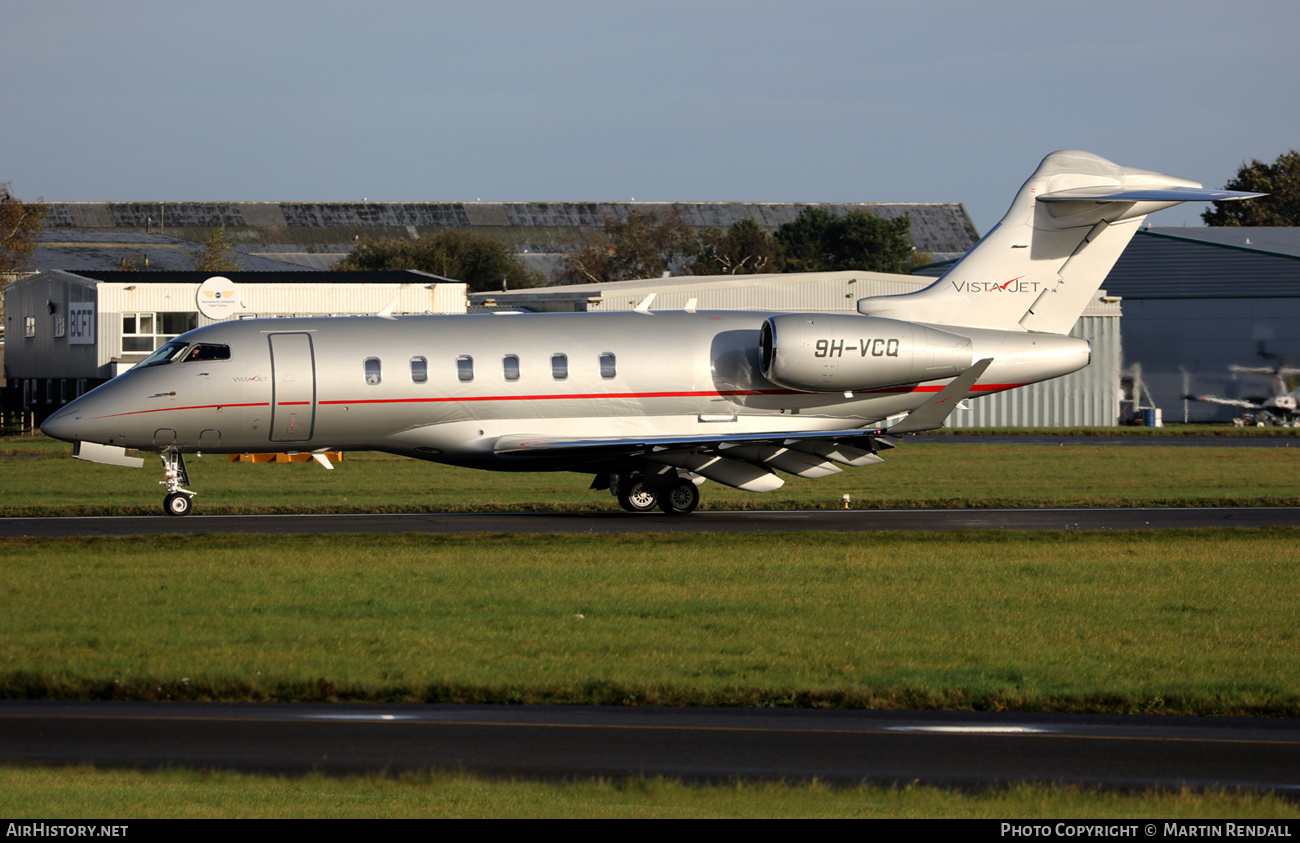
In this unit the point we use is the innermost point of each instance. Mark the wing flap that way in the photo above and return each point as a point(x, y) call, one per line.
point(525, 446)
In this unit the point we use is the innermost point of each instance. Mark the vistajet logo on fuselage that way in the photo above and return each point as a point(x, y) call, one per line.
point(1015, 285)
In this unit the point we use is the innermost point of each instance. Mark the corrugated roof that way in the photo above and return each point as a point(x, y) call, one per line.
point(936, 227)
point(1160, 265)
point(278, 277)
point(1278, 240)
point(80, 249)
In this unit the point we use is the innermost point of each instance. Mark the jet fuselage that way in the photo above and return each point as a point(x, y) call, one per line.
point(446, 388)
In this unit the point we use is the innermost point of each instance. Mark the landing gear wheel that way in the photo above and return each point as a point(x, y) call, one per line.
point(637, 498)
point(177, 503)
point(680, 499)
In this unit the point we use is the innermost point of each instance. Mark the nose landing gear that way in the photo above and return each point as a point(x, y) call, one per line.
point(178, 500)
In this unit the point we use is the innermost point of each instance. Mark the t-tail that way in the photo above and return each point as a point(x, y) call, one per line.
point(1039, 267)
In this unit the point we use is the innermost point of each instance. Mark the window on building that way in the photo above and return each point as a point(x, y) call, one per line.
point(172, 324)
point(60, 326)
point(510, 367)
point(137, 332)
point(419, 370)
point(147, 331)
point(559, 366)
point(29, 326)
point(464, 368)
point(608, 369)
point(372, 371)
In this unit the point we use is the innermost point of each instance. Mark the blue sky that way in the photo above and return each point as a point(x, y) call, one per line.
point(501, 100)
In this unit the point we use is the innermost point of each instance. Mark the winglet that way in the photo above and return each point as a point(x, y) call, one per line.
point(934, 412)
point(644, 306)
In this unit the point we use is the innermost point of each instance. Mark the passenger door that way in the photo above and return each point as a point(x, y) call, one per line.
point(293, 387)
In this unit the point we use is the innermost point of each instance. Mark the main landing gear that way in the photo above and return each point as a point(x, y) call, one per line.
point(178, 500)
point(675, 495)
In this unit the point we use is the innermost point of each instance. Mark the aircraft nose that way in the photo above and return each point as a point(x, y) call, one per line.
point(64, 424)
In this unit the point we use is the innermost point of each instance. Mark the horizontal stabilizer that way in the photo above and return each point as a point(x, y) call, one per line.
point(1105, 193)
point(933, 413)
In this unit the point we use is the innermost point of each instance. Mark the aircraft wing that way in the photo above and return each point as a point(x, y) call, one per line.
point(510, 446)
point(1227, 402)
point(1280, 371)
point(746, 460)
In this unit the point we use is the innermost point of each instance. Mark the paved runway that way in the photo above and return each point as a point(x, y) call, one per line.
point(942, 748)
point(861, 520)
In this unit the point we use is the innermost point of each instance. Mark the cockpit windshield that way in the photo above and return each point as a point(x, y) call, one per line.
point(169, 352)
point(183, 352)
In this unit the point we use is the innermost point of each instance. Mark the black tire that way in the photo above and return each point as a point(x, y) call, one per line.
point(680, 499)
point(637, 498)
point(177, 503)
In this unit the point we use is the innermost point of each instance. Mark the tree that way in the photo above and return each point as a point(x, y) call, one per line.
point(20, 222)
point(481, 261)
point(645, 245)
point(218, 255)
point(819, 241)
point(1280, 180)
point(741, 249)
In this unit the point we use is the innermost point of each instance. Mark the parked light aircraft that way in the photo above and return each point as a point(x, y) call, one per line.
point(650, 403)
point(1278, 408)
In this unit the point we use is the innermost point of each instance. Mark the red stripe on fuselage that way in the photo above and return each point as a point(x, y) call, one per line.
point(893, 390)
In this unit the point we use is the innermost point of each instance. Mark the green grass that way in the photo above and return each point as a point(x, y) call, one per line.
point(1171, 430)
point(1185, 622)
point(1180, 622)
point(914, 475)
point(85, 793)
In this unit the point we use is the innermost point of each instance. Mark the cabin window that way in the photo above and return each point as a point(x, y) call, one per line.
point(510, 367)
point(372, 371)
point(607, 367)
point(464, 368)
point(559, 366)
point(419, 370)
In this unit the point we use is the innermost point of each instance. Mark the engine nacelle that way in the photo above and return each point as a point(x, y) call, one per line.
point(820, 352)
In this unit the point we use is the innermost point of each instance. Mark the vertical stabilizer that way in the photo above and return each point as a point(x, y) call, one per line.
point(1038, 268)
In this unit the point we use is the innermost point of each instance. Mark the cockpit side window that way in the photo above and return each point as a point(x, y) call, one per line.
point(208, 351)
